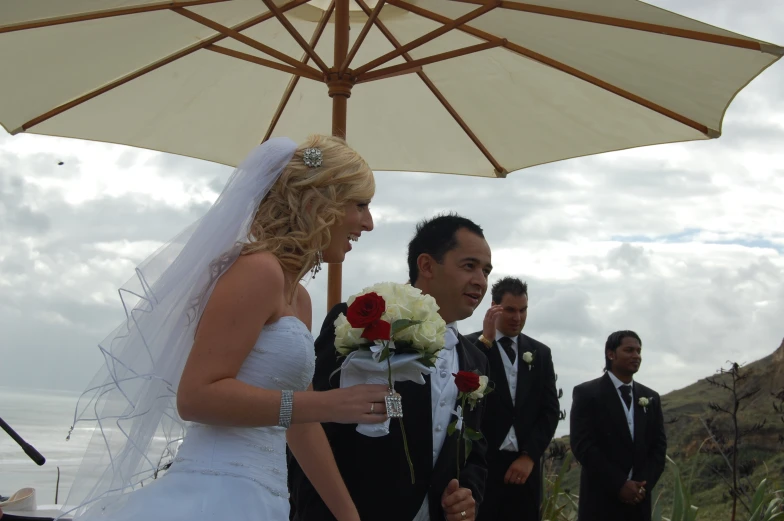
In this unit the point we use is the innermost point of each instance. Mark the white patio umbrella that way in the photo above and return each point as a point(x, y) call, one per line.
point(472, 87)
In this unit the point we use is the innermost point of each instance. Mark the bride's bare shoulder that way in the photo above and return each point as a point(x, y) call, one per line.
point(256, 272)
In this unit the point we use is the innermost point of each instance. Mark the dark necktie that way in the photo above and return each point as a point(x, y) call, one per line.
point(506, 343)
point(626, 392)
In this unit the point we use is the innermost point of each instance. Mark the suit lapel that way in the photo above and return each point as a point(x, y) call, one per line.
point(615, 408)
point(640, 417)
point(524, 371)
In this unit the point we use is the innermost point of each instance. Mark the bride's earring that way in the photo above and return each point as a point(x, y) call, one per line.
point(317, 267)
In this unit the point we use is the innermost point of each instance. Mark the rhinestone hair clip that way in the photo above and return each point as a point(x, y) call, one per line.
point(312, 157)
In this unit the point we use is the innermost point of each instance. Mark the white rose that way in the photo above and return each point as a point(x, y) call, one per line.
point(528, 357)
point(345, 335)
point(394, 312)
point(426, 335)
point(479, 393)
point(439, 341)
point(644, 402)
point(402, 301)
point(428, 309)
point(385, 289)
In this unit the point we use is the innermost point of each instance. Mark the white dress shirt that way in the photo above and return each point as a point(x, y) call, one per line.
point(629, 412)
point(443, 399)
point(510, 442)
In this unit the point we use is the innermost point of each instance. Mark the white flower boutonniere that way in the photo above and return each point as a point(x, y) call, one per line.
point(644, 402)
point(528, 358)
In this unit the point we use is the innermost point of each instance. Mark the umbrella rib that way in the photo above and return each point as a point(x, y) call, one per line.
point(432, 35)
point(149, 68)
point(407, 70)
point(634, 25)
point(500, 171)
point(295, 34)
point(266, 63)
point(572, 71)
point(361, 38)
point(284, 100)
point(109, 13)
point(250, 42)
point(412, 66)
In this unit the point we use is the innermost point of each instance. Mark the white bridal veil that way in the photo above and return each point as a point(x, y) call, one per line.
point(131, 402)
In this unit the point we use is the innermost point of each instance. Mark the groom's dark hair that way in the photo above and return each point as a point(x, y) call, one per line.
point(614, 342)
point(436, 237)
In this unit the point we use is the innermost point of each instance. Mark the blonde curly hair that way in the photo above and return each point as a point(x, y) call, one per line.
point(294, 218)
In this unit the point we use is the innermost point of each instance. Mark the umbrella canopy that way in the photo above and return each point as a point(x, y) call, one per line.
point(464, 87)
point(472, 87)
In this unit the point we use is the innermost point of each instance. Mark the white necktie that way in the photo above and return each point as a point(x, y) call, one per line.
point(450, 338)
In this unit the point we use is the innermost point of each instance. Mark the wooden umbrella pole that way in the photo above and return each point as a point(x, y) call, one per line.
point(339, 91)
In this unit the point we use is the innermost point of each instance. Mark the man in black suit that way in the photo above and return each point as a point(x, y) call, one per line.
point(617, 435)
point(449, 259)
point(522, 414)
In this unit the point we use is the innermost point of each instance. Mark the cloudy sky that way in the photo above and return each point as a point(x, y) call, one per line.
point(683, 243)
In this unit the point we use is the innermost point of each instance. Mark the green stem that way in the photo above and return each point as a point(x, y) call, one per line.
point(389, 368)
point(402, 427)
point(408, 456)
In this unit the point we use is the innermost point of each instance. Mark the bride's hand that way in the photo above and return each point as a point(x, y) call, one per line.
point(362, 403)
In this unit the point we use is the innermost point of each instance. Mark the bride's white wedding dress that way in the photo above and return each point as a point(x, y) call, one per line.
point(224, 473)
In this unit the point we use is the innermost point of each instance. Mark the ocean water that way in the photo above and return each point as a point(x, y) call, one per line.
point(42, 418)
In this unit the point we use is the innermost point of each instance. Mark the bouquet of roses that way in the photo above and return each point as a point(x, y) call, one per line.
point(390, 333)
point(392, 319)
point(471, 388)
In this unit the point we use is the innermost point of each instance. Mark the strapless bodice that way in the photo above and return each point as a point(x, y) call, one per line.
point(282, 358)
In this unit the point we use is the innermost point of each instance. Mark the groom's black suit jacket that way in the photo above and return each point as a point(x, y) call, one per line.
point(534, 416)
point(601, 442)
point(375, 470)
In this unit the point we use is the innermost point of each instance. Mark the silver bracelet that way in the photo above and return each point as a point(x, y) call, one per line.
point(286, 407)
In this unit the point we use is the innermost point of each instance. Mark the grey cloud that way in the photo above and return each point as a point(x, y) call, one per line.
point(217, 184)
point(754, 135)
point(189, 168)
point(693, 311)
point(27, 220)
point(627, 258)
point(132, 218)
point(127, 159)
point(15, 213)
point(11, 266)
point(565, 311)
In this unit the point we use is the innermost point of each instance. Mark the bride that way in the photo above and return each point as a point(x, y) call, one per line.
point(221, 318)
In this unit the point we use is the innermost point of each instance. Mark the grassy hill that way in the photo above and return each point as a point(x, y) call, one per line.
point(761, 453)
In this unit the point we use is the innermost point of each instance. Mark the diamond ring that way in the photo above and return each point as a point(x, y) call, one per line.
point(372, 406)
point(463, 515)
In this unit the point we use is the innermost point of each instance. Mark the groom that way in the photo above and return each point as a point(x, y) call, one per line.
point(449, 259)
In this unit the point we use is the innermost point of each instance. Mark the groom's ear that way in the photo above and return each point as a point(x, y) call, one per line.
point(425, 263)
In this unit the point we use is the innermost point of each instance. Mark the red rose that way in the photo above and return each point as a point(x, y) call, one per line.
point(366, 310)
point(466, 381)
point(378, 330)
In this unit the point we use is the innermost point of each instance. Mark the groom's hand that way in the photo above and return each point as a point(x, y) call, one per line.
point(458, 503)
